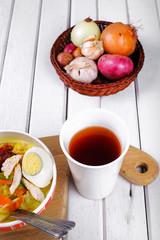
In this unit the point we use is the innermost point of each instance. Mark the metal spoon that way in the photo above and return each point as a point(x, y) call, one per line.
point(55, 227)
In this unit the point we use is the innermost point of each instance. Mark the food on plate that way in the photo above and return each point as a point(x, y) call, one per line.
point(25, 176)
point(64, 58)
point(119, 38)
point(69, 48)
point(37, 166)
point(82, 69)
point(114, 66)
point(77, 52)
point(92, 48)
point(84, 29)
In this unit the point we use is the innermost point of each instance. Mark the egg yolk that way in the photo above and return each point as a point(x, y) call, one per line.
point(31, 164)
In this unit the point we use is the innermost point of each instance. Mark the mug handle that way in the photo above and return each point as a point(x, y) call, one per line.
point(135, 160)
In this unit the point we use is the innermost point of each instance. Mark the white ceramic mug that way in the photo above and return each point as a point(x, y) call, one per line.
point(94, 182)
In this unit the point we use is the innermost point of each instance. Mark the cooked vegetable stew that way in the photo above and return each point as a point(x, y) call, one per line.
point(15, 190)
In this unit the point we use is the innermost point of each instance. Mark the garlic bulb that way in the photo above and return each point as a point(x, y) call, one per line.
point(92, 48)
point(82, 69)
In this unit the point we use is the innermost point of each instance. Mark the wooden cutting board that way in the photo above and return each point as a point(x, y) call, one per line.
point(58, 206)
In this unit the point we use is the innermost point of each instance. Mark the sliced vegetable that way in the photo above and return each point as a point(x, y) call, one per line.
point(13, 205)
point(20, 191)
point(21, 147)
point(21, 186)
point(10, 177)
point(4, 200)
point(5, 181)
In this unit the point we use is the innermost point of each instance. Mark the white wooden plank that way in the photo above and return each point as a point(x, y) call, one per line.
point(48, 103)
point(5, 17)
point(125, 219)
point(88, 8)
point(114, 11)
point(123, 211)
point(148, 98)
point(158, 7)
point(81, 10)
point(87, 213)
point(17, 72)
point(123, 104)
point(148, 84)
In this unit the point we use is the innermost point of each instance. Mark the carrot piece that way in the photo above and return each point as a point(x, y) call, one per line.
point(13, 205)
point(5, 181)
point(20, 191)
point(4, 200)
point(10, 177)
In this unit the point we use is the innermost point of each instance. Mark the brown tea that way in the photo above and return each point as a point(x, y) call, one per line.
point(95, 146)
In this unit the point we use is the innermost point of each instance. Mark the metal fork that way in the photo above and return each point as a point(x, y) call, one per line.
point(55, 227)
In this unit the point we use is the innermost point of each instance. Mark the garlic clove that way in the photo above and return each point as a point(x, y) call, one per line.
point(92, 48)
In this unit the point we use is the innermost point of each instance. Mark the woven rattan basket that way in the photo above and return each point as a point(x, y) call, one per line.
point(101, 86)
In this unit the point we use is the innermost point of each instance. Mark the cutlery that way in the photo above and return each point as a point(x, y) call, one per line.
point(55, 227)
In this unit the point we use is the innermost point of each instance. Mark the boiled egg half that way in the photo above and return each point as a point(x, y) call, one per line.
point(37, 167)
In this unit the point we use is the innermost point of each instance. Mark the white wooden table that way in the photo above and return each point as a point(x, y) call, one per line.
point(33, 99)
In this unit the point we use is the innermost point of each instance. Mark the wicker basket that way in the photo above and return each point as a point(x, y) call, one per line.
point(101, 86)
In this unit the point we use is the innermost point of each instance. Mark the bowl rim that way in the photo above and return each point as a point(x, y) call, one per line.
point(41, 207)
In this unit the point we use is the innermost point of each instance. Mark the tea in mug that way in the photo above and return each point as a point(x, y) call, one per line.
point(95, 146)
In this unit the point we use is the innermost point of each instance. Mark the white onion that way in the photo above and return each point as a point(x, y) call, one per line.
point(84, 29)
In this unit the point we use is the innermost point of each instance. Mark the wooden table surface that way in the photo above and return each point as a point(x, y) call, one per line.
point(33, 99)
